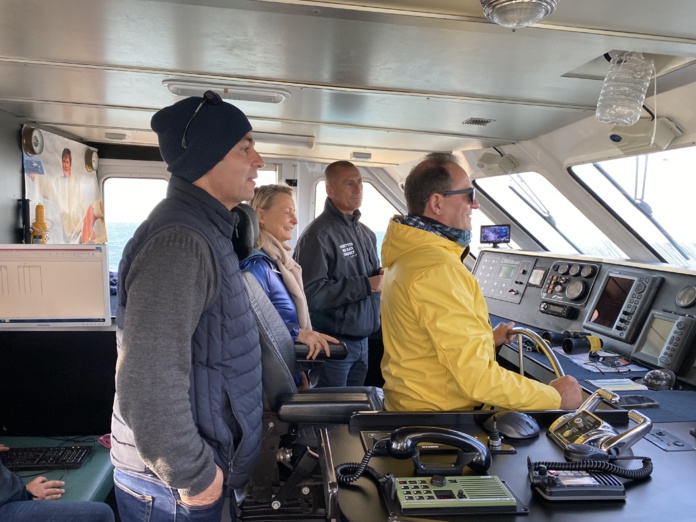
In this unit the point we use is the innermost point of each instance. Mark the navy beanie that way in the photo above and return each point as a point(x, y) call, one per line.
point(210, 135)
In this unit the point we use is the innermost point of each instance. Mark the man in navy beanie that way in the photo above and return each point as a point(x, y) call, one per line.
point(186, 425)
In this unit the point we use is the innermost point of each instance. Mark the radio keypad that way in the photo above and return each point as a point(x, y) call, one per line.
point(416, 489)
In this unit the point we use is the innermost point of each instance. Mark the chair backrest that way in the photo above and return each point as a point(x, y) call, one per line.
point(247, 235)
point(278, 357)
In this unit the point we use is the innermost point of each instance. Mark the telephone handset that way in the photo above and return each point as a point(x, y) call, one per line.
point(403, 444)
point(583, 427)
point(445, 491)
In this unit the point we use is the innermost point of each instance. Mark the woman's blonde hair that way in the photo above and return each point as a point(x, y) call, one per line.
point(263, 199)
point(265, 194)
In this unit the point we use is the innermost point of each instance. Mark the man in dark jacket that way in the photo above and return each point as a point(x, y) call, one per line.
point(342, 276)
point(16, 505)
point(188, 406)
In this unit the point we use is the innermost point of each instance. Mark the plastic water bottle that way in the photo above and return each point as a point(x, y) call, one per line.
point(623, 92)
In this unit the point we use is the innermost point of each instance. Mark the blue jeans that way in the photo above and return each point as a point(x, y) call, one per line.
point(351, 371)
point(143, 497)
point(55, 511)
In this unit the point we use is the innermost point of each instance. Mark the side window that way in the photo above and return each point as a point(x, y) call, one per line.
point(376, 210)
point(127, 202)
point(267, 176)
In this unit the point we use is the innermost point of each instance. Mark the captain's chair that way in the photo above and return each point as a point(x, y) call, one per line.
point(291, 416)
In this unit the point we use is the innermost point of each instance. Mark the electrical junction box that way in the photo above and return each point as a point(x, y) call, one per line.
point(639, 137)
point(493, 165)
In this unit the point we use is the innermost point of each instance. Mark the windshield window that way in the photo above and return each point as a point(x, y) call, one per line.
point(547, 215)
point(652, 193)
point(480, 219)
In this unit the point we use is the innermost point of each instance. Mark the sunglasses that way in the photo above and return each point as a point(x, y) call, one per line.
point(208, 97)
point(470, 191)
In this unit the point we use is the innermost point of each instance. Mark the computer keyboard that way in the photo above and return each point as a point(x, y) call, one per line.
point(30, 459)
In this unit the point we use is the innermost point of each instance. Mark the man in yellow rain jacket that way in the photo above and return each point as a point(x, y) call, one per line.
point(439, 347)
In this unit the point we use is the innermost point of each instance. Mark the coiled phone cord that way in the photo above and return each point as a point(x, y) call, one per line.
point(598, 466)
point(351, 471)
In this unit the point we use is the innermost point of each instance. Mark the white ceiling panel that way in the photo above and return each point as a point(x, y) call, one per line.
point(398, 77)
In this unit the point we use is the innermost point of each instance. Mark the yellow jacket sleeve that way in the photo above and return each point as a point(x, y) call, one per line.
point(451, 308)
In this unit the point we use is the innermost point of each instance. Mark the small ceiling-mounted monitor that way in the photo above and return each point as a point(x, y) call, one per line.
point(495, 234)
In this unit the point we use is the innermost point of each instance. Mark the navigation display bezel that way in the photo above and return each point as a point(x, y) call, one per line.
point(495, 234)
point(675, 343)
point(625, 316)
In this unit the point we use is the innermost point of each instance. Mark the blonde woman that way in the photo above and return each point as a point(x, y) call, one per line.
point(273, 266)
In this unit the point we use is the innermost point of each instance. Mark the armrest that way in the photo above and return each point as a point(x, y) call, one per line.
point(338, 351)
point(328, 405)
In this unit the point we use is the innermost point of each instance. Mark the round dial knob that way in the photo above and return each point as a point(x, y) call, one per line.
point(574, 270)
point(686, 297)
point(576, 290)
point(563, 268)
point(587, 271)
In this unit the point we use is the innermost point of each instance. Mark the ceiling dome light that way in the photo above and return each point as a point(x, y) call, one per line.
point(515, 14)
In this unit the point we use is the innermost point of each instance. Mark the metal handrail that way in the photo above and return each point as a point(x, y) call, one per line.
point(541, 344)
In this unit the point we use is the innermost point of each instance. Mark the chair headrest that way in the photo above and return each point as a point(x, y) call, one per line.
point(247, 235)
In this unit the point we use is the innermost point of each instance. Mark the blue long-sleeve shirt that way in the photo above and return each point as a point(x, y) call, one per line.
point(270, 279)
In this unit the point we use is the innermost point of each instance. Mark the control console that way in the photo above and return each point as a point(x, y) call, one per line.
point(504, 277)
point(569, 283)
point(638, 311)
